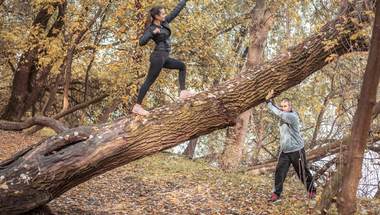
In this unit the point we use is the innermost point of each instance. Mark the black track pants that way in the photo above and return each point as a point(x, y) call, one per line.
point(296, 159)
point(159, 60)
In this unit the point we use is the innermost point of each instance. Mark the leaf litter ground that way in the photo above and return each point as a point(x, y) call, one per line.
point(168, 184)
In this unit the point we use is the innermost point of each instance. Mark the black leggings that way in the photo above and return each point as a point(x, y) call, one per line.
point(159, 60)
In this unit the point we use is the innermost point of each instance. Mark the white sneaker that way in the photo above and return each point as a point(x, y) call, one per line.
point(185, 94)
point(138, 109)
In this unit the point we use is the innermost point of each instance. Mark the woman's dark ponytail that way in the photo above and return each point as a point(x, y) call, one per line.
point(148, 21)
point(151, 15)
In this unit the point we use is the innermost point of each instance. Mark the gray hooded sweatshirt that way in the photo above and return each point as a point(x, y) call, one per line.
point(290, 140)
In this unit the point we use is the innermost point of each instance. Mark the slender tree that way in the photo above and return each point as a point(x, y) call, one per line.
point(235, 138)
point(362, 120)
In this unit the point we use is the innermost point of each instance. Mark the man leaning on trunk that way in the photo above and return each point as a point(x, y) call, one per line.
point(292, 148)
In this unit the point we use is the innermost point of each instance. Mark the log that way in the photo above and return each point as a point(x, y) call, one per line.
point(74, 156)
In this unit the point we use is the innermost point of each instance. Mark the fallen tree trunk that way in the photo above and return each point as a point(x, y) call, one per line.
point(74, 156)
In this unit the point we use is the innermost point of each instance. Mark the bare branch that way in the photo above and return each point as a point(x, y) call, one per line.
point(37, 120)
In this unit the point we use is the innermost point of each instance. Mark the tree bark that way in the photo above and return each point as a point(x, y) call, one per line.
point(25, 89)
point(362, 120)
point(234, 142)
point(260, 138)
point(235, 138)
point(65, 160)
point(190, 149)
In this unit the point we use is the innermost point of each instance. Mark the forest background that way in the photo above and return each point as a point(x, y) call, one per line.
point(79, 62)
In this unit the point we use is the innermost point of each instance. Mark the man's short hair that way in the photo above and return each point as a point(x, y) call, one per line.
point(286, 100)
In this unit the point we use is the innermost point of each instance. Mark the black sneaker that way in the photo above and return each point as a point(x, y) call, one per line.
point(274, 198)
point(312, 195)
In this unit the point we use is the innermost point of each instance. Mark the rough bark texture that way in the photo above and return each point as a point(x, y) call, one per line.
point(61, 162)
point(235, 138)
point(362, 120)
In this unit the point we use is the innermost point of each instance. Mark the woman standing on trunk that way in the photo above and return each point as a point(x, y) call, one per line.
point(159, 31)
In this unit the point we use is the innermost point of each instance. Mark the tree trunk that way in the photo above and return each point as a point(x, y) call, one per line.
point(56, 164)
point(362, 120)
point(235, 138)
point(234, 142)
point(260, 138)
point(53, 92)
point(190, 149)
point(25, 89)
point(81, 121)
